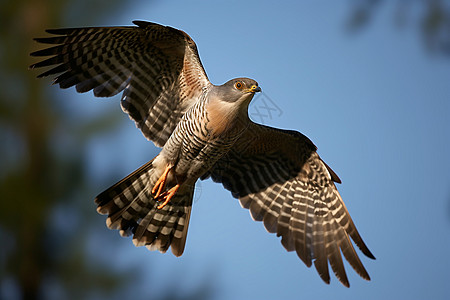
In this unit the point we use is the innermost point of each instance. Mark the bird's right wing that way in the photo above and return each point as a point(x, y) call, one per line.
point(157, 68)
point(280, 178)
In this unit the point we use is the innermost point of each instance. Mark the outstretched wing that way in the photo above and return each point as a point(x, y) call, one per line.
point(278, 175)
point(157, 68)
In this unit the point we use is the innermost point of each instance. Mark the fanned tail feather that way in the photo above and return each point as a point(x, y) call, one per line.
point(132, 210)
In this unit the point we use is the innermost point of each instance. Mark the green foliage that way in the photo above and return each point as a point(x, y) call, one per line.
point(46, 207)
point(430, 17)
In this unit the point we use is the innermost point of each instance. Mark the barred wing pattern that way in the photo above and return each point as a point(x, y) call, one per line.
point(280, 178)
point(156, 66)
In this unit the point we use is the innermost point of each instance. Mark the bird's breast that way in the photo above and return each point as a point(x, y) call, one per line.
point(205, 133)
point(222, 119)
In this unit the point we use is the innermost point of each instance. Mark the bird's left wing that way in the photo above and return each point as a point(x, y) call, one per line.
point(280, 178)
point(157, 68)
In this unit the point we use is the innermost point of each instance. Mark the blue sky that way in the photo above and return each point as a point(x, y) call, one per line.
point(376, 104)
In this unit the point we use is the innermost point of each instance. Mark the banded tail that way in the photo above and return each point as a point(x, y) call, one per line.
point(132, 209)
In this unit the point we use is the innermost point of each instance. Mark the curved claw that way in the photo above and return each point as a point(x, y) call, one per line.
point(166, 196)
point(160, 183)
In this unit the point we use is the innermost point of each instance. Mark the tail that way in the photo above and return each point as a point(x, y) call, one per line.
point(131, 209)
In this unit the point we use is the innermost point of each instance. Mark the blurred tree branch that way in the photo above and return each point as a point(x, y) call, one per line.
point(35, 176)
point(430, 17)
point(43, 175)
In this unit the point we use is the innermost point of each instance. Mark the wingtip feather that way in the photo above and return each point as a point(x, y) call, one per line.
point(143, 24)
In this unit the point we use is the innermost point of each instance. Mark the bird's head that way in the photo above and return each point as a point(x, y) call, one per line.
point(238, 90)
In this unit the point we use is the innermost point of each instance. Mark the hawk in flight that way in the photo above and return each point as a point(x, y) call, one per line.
point(204, 131)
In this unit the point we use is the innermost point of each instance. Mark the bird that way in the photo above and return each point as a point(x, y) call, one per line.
point(204, 131)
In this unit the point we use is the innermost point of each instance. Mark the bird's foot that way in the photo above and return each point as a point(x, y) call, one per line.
point(166, 196)
point(160, 183)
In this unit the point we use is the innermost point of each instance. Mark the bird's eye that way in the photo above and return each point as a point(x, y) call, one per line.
point(238, 85)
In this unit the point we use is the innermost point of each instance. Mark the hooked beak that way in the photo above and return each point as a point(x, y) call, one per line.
point(254, 89)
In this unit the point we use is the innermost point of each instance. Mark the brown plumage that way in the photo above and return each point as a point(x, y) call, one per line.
point(205, 132)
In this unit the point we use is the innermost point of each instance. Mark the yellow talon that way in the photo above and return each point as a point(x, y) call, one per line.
point(167, 196)
point(160, 183)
